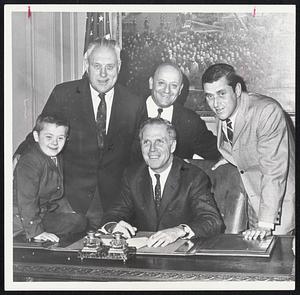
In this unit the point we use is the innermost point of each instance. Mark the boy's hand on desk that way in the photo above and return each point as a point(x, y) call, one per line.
point(165, 237)
point(125, 228)
point(47, 237)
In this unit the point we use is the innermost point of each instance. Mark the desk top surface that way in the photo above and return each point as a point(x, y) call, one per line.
point(279, 266)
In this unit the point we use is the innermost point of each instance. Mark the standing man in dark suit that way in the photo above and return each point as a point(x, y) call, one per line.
point(193, 137)
point(164, 194)
point(104, 120)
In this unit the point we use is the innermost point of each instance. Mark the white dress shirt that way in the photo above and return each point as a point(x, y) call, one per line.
point(163, 178)
point(108, 99)
point(152, 108)
point(224, 124)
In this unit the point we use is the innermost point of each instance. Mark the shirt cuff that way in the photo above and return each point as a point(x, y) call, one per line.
point(108, 227)
point(266, 224)
point(189, 232)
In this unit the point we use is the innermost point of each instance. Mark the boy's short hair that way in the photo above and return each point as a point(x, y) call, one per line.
point(57, 119)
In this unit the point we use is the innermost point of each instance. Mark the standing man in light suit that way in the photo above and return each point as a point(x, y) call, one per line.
point(104, 121)
point(253, 135)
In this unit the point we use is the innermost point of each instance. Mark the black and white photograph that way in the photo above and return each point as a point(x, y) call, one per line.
point(149, 147)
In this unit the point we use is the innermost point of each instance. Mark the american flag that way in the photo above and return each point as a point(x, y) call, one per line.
point(97, 26)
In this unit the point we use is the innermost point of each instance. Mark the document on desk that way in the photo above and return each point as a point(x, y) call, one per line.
point(220, 245)
point(234, 245)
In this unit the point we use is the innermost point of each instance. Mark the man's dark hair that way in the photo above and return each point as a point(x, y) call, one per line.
point(158, 121)
point(56, 119)
point(217, 71)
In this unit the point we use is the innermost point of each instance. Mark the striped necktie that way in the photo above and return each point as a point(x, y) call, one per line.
point(229, 130)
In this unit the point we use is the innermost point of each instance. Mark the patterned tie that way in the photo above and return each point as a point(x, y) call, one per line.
point(229, 130)
point(101, 121)
point(159, 111)
point(157, 192)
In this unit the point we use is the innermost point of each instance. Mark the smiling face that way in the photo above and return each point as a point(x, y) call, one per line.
point(166, 85)
point(157, 147)
point(51, 138)
point(103, 68)
point(221, 98)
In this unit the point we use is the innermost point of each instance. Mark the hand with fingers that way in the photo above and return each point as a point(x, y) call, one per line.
point(44, 236)
point(165, 237)
point(125, 228)
point(221, 162)
point(257, 233)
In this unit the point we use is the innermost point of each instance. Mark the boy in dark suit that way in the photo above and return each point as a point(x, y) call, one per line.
point(40, 210)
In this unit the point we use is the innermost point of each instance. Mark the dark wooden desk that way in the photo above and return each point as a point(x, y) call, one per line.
point(45, 265)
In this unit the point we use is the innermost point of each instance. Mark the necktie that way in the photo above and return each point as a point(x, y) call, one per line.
point(159, 111)
point(101, 121)
point(54, 159)
point(157, 192)
point(229, 130)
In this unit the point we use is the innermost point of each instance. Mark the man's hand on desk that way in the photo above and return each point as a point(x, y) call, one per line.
point(125, 228)
point(165, 237)
point(258, 232)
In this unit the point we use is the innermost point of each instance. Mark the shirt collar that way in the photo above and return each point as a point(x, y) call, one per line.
point(152, 107)
point(163, 176)
point(108, 95)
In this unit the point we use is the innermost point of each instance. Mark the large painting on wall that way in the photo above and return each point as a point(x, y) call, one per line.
point(259, 45)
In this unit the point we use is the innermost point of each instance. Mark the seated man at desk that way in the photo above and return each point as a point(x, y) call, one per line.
point(164, 194)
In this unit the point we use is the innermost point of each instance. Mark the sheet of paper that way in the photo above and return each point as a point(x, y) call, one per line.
point(137, 242)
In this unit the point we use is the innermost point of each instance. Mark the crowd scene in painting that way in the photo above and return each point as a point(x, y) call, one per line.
point(193, 52)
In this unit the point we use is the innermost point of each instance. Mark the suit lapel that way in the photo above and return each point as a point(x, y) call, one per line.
point(171, 186)
point(145, 190)
point(116, 109)
point(241, 117)
point(84, 92)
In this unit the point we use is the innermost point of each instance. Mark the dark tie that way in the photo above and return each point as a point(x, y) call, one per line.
point(101, 120)
point(159, 111)
point(157, 192)
point(54, 159)
point(229, 130)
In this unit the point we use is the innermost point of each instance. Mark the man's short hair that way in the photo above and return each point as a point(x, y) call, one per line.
point(170, 64)
point(102, 42)
point(158, 121)
point(217, 71)
point(56, 119)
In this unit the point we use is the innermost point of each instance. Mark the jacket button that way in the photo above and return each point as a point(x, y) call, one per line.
point(31, 222)
point(242, 171)
point(58, 188)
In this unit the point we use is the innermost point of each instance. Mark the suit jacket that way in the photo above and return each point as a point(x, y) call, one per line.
point(84, 165)
point(186, 199)
point(264, 152)
point(38, 188)
point(193, 137)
